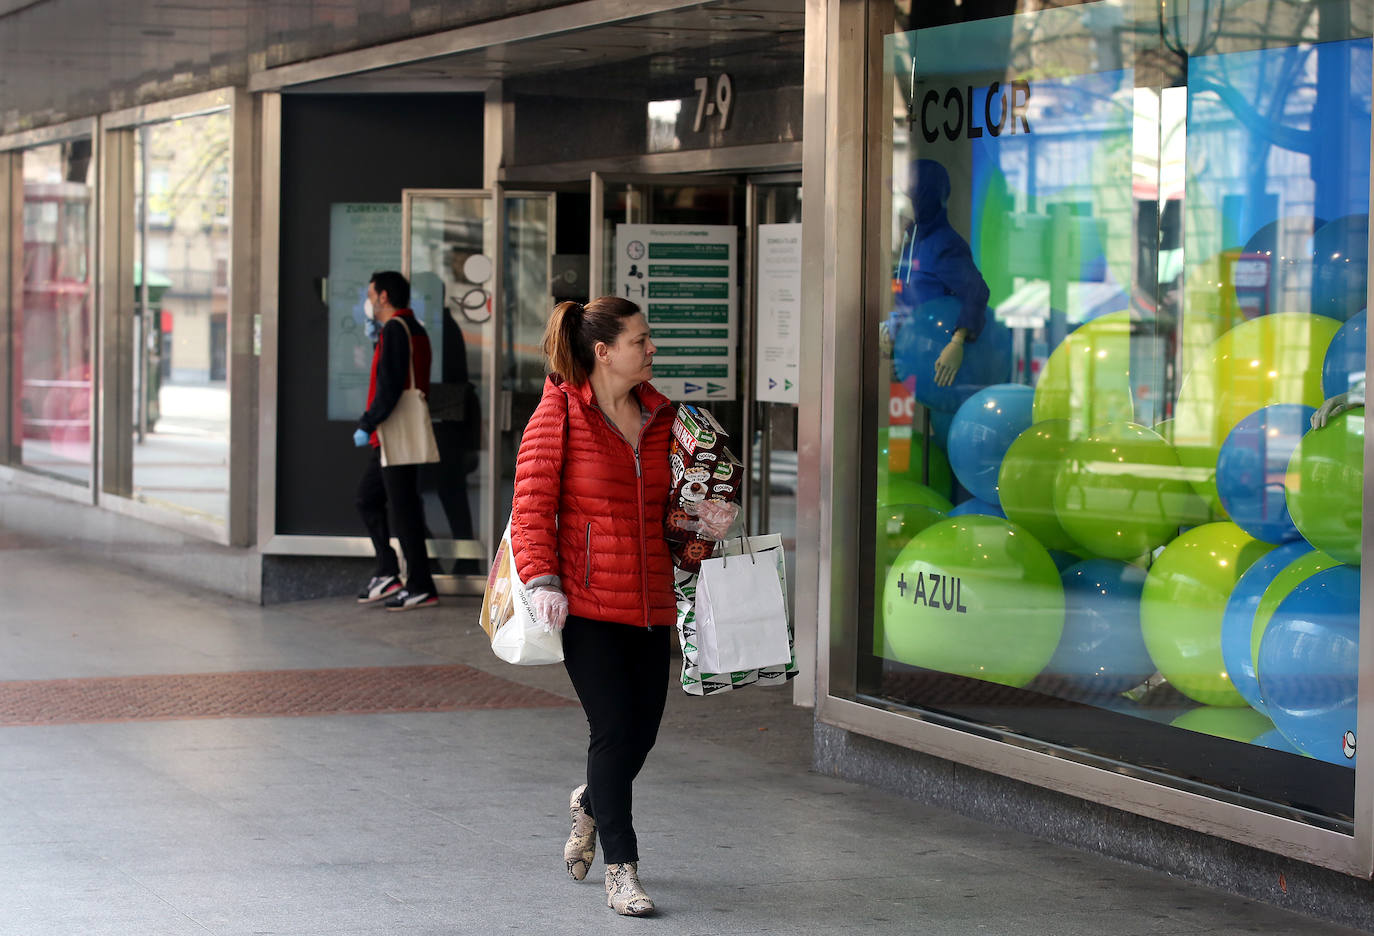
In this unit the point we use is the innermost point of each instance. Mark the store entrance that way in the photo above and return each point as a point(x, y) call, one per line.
point(712, 259)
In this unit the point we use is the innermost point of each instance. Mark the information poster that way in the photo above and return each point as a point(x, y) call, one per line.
point(778, 354)
point(683, 276)
point(364, 238)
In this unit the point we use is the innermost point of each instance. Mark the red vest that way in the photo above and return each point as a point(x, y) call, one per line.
point(585, 511)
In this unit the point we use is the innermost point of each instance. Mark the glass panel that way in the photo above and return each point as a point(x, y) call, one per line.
point(53, 324)
point(181, 391)
point(529, 301)
point(452, 241)
point(777, 308)
point(1127, 251)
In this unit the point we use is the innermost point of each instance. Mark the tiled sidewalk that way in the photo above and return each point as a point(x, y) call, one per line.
point(129, 820)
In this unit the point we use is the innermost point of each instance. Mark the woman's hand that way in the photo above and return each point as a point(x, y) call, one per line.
point(713, 519)
point(550, 607)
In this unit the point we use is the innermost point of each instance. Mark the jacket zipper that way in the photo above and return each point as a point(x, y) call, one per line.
point(587, 566)
point(639, 502)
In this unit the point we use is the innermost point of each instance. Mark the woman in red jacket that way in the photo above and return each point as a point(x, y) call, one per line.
point(591, 492)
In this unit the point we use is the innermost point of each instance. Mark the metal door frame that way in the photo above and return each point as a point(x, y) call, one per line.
point(470, 549)
point(501, 426)
point(753, 184)
point(497, 405)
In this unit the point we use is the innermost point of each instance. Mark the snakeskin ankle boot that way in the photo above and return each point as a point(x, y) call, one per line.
point(580, 850)
point(624, 894)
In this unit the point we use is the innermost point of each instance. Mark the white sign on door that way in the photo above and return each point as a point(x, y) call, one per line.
point(778, 354)
point(683, 277)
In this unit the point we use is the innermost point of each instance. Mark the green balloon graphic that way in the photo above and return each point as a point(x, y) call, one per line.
point(898, 524)
point(1087, 379)
point(1182, 605)
point(975, 596)
point(903, 489)
point(1235, 724)
point(1026, 480)
point(1325, 483)
point(909, 463)
point(1122, 493)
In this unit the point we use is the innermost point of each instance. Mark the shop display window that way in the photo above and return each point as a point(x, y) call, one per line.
point(1117, 462)
point(181, 355)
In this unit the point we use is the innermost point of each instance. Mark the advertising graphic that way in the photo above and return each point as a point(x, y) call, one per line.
point(683, 277)
point(778, 349)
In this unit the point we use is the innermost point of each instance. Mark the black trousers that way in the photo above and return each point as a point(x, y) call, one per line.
point(620, 674)
point(398, 488)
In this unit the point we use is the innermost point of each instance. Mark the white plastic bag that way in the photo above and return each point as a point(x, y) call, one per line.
point(741, 613)
point(509, 619)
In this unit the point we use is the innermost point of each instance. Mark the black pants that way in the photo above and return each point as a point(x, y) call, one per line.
point(620, 673)
point(397, 487)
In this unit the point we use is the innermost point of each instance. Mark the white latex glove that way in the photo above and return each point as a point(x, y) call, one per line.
point(550, 607)
point(712, 519)
point(947, 364)
point(1336, 405)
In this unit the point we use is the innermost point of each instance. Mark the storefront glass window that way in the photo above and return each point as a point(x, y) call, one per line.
point(53, 322)
point(181, 393)
point(1119, 453)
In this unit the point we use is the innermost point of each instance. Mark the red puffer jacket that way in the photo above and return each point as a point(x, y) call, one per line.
point(590, 512)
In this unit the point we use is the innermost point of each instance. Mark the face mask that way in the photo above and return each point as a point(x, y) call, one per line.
point(368, 311)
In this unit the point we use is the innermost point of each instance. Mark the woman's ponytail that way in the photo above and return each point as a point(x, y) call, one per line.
point(560, 342)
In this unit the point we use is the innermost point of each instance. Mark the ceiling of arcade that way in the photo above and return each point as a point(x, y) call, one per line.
point(63, 59)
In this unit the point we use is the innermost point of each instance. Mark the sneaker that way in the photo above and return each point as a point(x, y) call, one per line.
point(580, 850)
point(379, 587)
point(407, 600)
point(624, 894)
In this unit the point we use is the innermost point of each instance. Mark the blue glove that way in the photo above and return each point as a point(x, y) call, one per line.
point(360, 437)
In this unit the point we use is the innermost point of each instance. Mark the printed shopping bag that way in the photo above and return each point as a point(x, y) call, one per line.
point(699, 681)
point(509, 620)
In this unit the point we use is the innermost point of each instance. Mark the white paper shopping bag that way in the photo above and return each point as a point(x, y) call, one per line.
point(741, 614)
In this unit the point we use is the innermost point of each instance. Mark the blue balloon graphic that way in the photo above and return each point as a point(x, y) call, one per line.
point(1252, 466)
point(1238, 620)
point(1340, 266)
point(975, 506)
point(1344, 363)
point(922, 337)
point(983, 429)
point(1102, 651)
point(1309, 665)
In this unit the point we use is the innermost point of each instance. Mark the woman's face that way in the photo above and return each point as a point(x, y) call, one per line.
point(631, 358)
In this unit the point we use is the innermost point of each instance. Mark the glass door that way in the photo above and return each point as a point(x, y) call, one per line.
point(449, 254)
point(676, 245)
point(527, 238)
point(775, 251)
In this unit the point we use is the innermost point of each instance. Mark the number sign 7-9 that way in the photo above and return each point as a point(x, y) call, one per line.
point(725, 97)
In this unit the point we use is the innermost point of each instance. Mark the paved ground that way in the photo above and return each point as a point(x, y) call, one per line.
point(444, 810)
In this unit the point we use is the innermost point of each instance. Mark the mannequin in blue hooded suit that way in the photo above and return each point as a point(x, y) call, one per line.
point(936, 261)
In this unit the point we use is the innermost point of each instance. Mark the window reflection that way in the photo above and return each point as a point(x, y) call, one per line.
point(53, 326)
point(181, 353)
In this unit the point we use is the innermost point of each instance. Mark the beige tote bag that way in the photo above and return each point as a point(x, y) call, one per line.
point(407, 435)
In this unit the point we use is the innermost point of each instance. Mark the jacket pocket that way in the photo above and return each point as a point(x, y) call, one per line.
point(587, 560)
